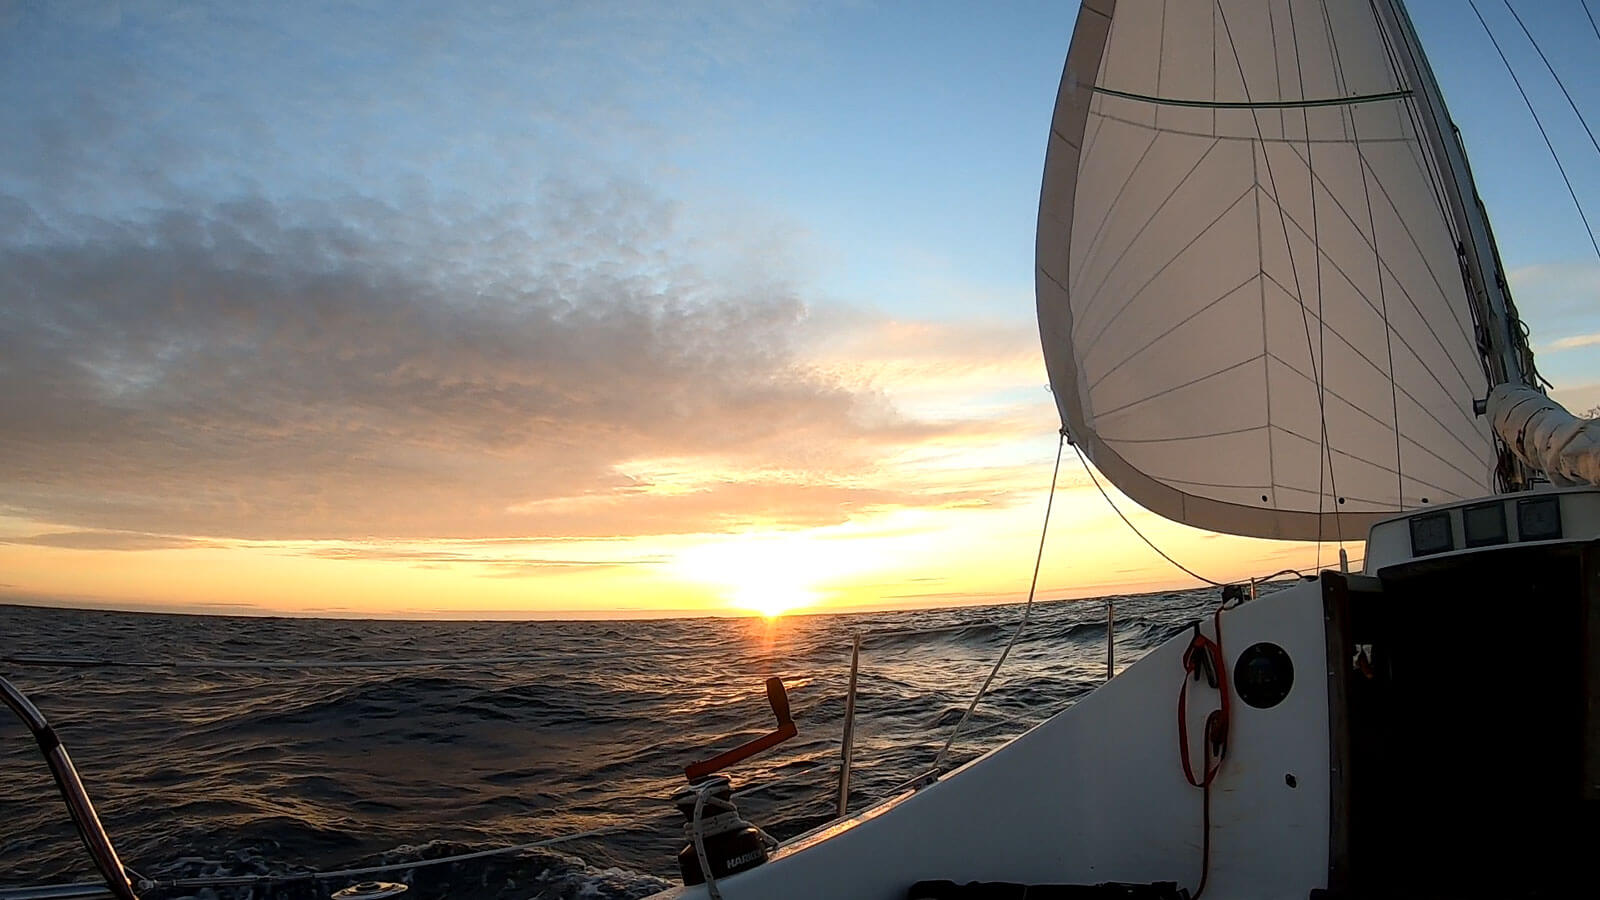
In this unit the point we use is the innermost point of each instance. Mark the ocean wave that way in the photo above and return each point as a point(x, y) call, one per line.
point(253, 771)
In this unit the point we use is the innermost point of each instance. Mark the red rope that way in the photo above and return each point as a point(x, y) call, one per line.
point(1204, 658)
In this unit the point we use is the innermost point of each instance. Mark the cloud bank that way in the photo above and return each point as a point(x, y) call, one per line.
point(347, 274)
point(256, 371)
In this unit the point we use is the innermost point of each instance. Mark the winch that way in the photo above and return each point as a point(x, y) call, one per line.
point(719, 840)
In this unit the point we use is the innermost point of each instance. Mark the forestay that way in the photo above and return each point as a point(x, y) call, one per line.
point(1250, 298)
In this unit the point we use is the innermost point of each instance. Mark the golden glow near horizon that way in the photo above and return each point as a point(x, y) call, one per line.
point(948, 519)
point(892, 559)
point(563, 316)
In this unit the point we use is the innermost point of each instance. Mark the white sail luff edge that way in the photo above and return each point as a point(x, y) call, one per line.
point(1545, 436)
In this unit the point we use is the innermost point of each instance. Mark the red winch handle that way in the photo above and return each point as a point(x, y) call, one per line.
point(779, 699)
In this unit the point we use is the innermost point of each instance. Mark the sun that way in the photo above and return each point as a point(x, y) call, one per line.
point(769, 575)
point(770, 598)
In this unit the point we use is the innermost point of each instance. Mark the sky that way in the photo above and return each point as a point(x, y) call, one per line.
point(596, 308)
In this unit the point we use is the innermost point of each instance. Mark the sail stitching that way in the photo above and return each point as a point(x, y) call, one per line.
point(1336, 394)
point(1377, 421)
point(1089, 253)
point(1099, 232)
point(1261, 283)
point(1277, 73)
point(1379, 369)
point(1132, 355)
point(1272, 182)
point(1111, 269)
point(1213, 24)
point(1443, 293)
point(1403, 340)
point(1384, 467)
point(1089, 141)
point(1377, 263)
point(1170, 479)
point(1326, 456)
point(1184, 437)
point(1161, 53)
point(1246, 139)
point(1381, 466)
point(1443, 492)
point(1190, 287)
point(1101, 414)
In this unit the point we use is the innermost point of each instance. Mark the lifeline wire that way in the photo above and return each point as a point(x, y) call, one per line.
point(223, 881)
point(1027, 609)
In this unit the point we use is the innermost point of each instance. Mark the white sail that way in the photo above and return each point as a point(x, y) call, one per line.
point(1250, 298)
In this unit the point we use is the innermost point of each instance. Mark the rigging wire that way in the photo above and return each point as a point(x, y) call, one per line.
point(1585, 5)
point(245, 880)
point(1552, 70)
point(1126, 521)
point(1317, 372)
point(1593, 241)
point(1027, 609)
point(1322, 322)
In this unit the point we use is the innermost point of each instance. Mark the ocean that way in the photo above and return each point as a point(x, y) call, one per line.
point(242, 746)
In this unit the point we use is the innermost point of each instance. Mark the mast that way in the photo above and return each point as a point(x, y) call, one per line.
point(1499, 338)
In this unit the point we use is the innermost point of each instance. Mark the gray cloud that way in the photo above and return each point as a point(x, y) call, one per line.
point(250, 290)
point(493, 566)
point(354, 369)
point(106, 540)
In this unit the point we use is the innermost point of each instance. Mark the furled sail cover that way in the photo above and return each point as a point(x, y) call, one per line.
point(1197, 339)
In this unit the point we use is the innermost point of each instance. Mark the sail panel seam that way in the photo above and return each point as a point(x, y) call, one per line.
point(1378, 266)
point(1247, 139)
point(1379, 369)
point(1378, 465)
point(1101, 414)
point(1164, 266)
point(1326, 456)
point(1272, 185)
point(1374, 307)
point(1381, 423)
point(1112, 207)
point(1179, 324)
point(1182, 437)
point(1409, 234)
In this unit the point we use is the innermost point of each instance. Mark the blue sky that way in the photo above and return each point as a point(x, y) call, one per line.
point(895, 144)
point(522, 256)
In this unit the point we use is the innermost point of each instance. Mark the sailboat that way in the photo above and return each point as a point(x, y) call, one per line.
point(1271, 305)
